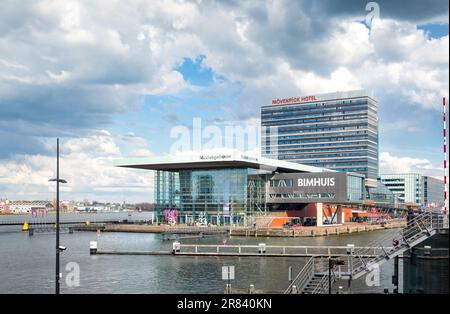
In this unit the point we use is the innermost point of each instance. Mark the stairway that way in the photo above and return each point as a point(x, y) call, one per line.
point(417, 230)
point(317, 284)
point(314, 278)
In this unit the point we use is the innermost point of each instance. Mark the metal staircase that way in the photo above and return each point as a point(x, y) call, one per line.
point(314, 277)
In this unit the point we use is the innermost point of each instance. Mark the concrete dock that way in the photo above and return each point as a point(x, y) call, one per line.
point(313, 231)
point(171, 231)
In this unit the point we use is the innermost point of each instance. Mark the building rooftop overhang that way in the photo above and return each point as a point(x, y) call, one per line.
point(214, 161)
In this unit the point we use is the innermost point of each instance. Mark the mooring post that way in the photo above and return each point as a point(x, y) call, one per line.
point(176, 247)
point(261, 248)
point(294, 289)
point(93, 247)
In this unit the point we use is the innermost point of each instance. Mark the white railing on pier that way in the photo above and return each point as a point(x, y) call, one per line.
point(76, 217)
point(301, 250)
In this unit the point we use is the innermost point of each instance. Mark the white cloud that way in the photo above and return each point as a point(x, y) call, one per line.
point(390, 164)
point(87, 164)
point(70, 65)
point(399, 125)
point(100, 144)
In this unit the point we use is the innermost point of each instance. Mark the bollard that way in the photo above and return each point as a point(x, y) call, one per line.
point(70, 230)
point(25, 226)
point(30, 232)
point(176, 247)
point(294, 289)
point(93, 247)
point(350, 248)
point(251, 290)
point(261, 248)
point(427, 250)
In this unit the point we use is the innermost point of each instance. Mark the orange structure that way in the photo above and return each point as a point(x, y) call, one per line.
point(329, 212)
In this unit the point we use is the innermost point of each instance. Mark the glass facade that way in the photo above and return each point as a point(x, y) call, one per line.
point(227, 195)
point(339, 134)
point(406, 186)
point(382, 195)
point(433, 190)
point(202, 192)
point(355, 188)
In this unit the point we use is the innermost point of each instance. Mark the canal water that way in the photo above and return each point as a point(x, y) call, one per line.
point(28, 263)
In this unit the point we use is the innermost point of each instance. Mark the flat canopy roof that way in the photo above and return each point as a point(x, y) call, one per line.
point(210, 161)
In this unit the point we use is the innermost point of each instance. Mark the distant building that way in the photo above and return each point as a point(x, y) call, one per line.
point(32, 207)
point(5, 206)
point(415, 188)
point(67, 207)
point(144, 206)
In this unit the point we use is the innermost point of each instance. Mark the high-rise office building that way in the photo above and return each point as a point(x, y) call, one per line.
point(336, 131)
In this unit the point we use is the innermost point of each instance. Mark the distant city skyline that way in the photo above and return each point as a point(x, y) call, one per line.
point(113, 85)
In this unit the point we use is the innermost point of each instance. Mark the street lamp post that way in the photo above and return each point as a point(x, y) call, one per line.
point(58, 249)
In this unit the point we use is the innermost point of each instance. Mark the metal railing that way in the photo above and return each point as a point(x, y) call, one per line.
point(322, 286)
point(301, 250)
point(362, 259)
point(322, 268)
point(416, 230)
point(315, 269)
point(100, 217)
point(303, 277)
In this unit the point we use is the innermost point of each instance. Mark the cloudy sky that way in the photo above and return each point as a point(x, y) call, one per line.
point(111, 79)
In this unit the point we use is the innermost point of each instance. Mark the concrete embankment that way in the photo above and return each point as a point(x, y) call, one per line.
point(263, 232)
point(314, 231)
point(121, 228)
point(134, 228)
point(165, 229)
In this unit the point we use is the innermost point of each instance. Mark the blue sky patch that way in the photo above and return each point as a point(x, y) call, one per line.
point(195, 72)
point(434, 30)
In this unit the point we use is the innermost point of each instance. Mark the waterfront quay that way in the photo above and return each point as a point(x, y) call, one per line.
point(315, 231)
point(311, 231)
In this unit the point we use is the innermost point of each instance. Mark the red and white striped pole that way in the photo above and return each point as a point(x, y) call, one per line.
point(445, 159)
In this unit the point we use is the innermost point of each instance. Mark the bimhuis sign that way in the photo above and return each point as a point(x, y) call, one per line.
point(307, 187)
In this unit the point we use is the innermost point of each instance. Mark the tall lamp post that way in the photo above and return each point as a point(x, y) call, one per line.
point(58, 249)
